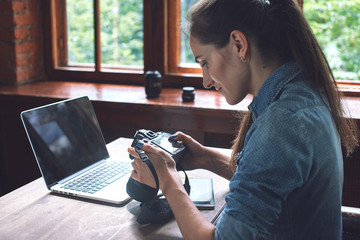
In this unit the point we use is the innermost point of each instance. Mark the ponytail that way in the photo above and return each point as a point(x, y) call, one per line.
point(306, 51)
point(239, 141)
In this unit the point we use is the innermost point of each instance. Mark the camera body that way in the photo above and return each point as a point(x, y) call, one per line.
point(142, 192)
point(161, 140)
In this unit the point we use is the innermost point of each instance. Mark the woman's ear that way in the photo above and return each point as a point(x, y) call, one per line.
point(240, 42)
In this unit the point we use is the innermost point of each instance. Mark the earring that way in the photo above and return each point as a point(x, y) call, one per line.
point(243, 59)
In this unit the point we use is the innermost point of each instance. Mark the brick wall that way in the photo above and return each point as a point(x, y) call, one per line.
point(21, 41)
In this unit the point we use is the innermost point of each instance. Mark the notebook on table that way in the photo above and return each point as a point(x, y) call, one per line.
point(71, 152)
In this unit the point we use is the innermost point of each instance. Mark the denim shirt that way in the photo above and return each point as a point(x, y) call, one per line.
point(288, 181)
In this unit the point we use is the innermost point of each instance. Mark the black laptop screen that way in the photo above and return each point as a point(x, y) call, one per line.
point(65, 138)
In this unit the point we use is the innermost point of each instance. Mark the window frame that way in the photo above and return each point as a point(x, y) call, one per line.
point(175, 41)
point(160, 17)
point(158, 31)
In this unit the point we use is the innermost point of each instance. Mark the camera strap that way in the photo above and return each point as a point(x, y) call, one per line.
point(152, 169)
point(187, 182)
point(158, 210)
point(146, 160)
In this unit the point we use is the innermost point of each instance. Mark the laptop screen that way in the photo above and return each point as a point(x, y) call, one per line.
point(65, 138)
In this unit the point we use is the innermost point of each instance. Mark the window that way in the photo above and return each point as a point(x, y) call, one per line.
point(116, 41)
point(181, 60)
point(186, 56)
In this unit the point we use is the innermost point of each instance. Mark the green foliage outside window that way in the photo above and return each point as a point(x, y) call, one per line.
point(186, 56)
point(80, 31)
point(336, 24)
point(121, 24)
point(122, 32)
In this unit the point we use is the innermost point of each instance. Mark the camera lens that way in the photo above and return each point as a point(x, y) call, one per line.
point(152, 84)
point(188, 94)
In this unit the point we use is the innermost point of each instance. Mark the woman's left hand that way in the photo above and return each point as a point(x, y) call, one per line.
point(190, 220)
point(163, 163)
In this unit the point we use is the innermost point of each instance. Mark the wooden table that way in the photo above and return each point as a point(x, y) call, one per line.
point(32, 212)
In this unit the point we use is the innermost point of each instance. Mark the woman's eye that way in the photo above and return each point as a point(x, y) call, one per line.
point(204, 64)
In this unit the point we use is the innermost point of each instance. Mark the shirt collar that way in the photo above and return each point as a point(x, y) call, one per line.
point(272, 86)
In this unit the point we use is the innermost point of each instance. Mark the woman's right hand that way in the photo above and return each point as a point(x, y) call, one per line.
point(196, 155)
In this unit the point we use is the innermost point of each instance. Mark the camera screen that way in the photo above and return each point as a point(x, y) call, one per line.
point(167, 145)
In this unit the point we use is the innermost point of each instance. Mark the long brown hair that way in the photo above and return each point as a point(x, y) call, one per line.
point(278, 29)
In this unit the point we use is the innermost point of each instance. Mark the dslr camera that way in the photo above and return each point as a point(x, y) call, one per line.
point(161, 140)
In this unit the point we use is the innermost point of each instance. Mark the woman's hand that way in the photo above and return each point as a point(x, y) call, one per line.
point(197, 156)
point(163, 163)
point(191, 222)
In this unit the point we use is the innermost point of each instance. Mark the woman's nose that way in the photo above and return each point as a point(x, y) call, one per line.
point(207, 80)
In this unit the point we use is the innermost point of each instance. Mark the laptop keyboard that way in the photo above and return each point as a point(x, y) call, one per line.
point(99, 177)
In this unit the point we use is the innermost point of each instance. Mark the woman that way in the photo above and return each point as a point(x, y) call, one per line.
point(286, 169)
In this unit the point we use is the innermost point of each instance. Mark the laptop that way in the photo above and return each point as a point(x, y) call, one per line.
point(71, 152)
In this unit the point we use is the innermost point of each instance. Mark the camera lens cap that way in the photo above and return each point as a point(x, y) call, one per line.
point(188, 94)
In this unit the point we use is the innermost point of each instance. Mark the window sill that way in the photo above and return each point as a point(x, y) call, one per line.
point(111, 93)
point(349, 88)
point(126, 94)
